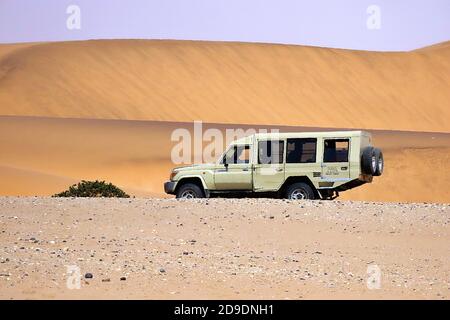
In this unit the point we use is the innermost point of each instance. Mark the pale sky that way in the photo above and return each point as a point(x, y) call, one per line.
point(354, 24)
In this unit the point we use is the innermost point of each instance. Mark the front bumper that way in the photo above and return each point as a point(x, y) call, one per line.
point(169, 187)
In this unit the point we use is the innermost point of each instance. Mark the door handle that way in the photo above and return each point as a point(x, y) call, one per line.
point(279, 169)
point(344, 168)
point(245, 169)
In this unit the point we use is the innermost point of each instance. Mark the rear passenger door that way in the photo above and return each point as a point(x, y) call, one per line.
point(302, 159)
point(335, 164)
point(268, 168)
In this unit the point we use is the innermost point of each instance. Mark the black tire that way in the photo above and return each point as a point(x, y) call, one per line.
point(298, 191)
point(369, 161)
point(190, 191)
point(380, 162)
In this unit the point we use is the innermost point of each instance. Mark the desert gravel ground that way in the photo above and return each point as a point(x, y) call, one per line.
point(222, 249)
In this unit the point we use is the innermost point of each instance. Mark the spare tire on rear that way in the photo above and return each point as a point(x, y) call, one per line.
point(380, 162)
point(369, 161)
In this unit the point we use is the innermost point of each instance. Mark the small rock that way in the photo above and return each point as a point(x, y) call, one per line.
point(88, 275)
point(123, 278)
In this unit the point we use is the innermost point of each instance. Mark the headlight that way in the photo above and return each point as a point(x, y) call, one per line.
point(172, 175)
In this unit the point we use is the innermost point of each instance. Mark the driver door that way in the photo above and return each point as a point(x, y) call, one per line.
point(234, 171)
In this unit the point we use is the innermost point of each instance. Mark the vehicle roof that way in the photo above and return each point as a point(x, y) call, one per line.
point(313, 134)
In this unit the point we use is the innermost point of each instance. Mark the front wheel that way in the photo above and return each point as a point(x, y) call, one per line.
point(189, 191)
point(299, 191)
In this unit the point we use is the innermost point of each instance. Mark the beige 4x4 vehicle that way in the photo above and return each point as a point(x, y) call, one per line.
point(306, 165)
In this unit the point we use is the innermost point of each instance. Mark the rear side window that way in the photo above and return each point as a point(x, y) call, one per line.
point(270, 152)
point(301, 150)
point(336, 150)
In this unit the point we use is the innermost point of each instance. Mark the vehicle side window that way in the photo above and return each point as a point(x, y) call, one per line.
point(244, 155)
point(336, 150)
point(301, 150)
point(270, 152)
point(238, 154)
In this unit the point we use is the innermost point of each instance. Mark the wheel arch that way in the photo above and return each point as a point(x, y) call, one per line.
point(197, 180)
point(295, 179)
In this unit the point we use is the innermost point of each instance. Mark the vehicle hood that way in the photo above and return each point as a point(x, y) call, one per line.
point(195, 167)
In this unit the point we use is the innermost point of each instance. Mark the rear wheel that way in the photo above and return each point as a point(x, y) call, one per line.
point(299, 191)
point(190, 191)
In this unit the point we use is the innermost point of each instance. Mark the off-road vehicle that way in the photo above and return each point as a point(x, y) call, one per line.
point(301, 165)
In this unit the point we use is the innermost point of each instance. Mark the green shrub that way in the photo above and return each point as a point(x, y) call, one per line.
point(93, 189)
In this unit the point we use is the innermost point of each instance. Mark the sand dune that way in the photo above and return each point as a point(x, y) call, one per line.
point(68, 110)
point(412, 175)
point(26, 182)
point(129, 153)
point(136, 156)
point(228, 83)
